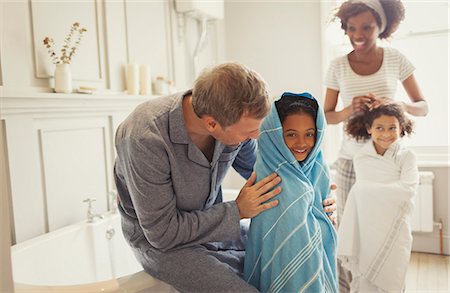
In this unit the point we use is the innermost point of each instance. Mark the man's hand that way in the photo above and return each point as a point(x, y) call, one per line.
point(252, 198)
point(329, 206)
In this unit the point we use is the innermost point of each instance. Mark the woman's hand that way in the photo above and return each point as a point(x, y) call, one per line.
point(377, 101)
point(361, 103)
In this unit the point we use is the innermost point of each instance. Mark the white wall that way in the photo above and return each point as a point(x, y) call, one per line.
point(280, 40)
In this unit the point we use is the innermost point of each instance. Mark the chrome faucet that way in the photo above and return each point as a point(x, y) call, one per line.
point(91, 215)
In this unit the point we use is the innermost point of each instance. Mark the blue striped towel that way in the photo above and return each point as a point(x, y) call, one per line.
point(292, 247)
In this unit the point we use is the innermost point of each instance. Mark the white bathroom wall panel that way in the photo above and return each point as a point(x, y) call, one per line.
point(25, 175)
point(2, 9)
point(181, 60)
point(116, 48)
point(279, 40)
point(75, 154)
point(16, 43)
point(60, 151)
point(6, 279)
point(148, 35)
point(86, 63)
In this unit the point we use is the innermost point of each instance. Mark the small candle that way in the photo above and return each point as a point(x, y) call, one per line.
point(161, 87)
point(145, 80)
point(133, 79)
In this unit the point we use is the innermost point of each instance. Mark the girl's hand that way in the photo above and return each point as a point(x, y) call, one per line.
point(329, 206)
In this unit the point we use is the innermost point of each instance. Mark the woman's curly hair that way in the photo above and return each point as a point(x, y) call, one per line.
point(357, 125)
point(394, 10)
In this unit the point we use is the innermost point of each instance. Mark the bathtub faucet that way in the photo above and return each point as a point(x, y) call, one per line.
point(91, 215)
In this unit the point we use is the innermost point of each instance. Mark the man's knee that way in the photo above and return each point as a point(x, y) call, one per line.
point(195, 269)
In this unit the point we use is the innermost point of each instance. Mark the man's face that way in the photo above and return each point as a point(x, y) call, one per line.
point(247, 127)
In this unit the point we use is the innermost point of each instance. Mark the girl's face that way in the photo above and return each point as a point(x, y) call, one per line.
point(385, 130)
point(299, 133)
point(363, 31)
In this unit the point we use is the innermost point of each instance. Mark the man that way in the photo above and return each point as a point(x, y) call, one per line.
point(173, 153)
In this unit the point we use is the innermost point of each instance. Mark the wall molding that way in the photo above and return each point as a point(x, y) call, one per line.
point(23, 102)
point(429, 243)
point(432, 156)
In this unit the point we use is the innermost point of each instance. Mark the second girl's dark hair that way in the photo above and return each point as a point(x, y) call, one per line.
point(358, 124)
point(394, 10)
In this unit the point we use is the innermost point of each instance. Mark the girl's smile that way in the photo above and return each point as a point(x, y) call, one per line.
point(385, 130)
point(299, 133)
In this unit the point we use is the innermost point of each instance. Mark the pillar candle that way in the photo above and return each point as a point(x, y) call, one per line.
point(133, 79)
point(145, 80)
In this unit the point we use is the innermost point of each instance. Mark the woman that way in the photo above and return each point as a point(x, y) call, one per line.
point(361, 77)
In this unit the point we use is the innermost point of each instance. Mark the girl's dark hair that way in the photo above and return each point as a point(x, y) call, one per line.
point(358, 124)
point(394, 10)
point(289, 105)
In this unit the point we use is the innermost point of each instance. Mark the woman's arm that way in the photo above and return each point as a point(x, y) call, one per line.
point(359, 104)
point(333, 116)
point(418, 105)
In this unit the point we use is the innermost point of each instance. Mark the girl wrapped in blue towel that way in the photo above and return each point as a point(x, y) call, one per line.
point(292, 247)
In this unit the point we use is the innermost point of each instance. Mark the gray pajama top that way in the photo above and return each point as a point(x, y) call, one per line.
point(165, 183)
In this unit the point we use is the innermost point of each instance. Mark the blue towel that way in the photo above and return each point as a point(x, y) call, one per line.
point(292, 247)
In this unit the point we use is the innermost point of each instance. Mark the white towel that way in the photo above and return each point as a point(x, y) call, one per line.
point(375, 232)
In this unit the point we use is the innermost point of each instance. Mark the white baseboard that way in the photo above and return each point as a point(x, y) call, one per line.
point(430, 243)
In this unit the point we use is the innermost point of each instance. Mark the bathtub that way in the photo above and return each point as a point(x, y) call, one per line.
point(84, 257)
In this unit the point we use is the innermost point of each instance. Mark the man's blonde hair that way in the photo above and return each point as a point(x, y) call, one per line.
point(229, 91)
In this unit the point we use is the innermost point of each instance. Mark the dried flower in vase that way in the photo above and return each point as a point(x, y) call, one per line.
point(71, 43)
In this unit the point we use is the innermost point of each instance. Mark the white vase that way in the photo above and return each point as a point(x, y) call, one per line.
point(63, 79)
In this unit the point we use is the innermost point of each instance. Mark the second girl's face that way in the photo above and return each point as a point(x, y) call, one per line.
point(385, 130)
point(299, 133)
point(363, 31)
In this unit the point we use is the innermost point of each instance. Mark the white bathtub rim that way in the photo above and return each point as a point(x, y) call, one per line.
point(107, 217)
point(136, 282)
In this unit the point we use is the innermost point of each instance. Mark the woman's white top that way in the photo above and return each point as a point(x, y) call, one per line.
point(383, 83)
